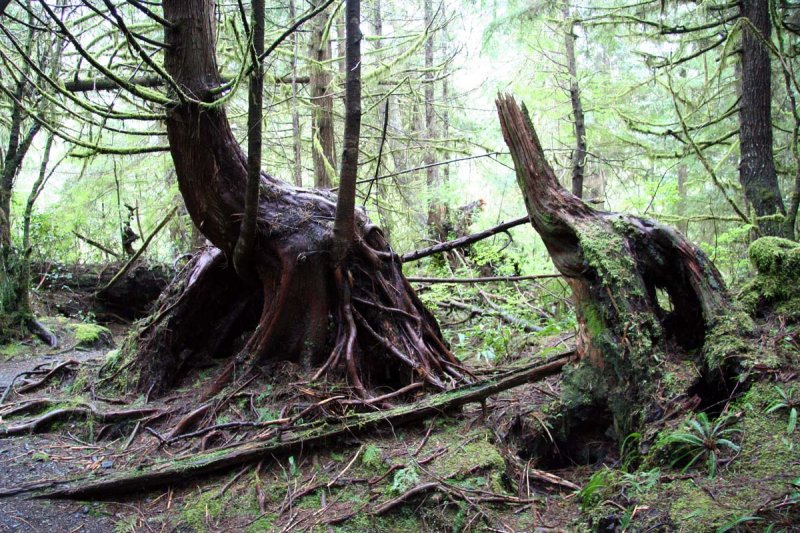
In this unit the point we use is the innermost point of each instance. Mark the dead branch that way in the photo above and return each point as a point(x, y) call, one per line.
point(301, 437)
point(502, 315)
point(391, 504)
point(96, 244)
point(463, 241)
point(127, 266)
point(486, 279)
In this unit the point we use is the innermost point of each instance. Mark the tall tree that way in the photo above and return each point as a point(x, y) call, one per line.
point(757, 167)
point(16, 313)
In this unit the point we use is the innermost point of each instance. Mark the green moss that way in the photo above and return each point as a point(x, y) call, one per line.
point(476, 457)
point(91, 334)
point(11, 350)
point(776, 283)
point(197, 513)
point(726, 340)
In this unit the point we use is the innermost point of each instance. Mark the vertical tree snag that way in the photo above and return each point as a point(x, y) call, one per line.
point(647, 300)
point(296, 134)
point(757, 167)
point(375, 332)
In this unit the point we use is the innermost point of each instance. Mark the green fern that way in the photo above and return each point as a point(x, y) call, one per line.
point(701, 438)
point(788, 400)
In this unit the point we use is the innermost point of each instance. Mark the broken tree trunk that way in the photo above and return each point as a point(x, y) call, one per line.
point(648, 302)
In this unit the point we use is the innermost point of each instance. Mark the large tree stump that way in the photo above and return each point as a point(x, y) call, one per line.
point(361, 317)
point(648, 302)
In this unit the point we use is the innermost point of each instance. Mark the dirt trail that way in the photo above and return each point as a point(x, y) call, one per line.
point(35, 458)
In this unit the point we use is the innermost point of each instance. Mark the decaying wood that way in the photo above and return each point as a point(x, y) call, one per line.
point(301, 437)
point(622, 269)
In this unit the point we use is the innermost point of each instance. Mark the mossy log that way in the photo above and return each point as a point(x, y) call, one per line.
point(287, 440)
point(647, 300)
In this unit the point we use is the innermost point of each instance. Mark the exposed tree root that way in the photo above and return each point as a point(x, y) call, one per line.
point(64, 365)
point(284, 440)
point(84, 410)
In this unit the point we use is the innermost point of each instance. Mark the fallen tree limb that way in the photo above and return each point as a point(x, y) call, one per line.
point(140, 251)
point(487, 279)
point(96, 244)
point(301, 437)
point(495, 312)
point(464, 241)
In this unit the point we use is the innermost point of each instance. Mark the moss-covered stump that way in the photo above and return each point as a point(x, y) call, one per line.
point(649, 303)
point(776, 287)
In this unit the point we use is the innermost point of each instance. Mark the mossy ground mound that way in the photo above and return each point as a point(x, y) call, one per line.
point(776, 287)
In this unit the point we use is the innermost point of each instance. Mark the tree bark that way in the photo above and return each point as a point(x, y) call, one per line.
point(436, 212)
point(757, 168)
point(300, 312)
point(579, 124)
point(646, 299)
point(322, 140)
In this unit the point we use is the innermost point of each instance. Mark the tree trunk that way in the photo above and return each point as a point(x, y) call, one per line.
point(647, 301)
point(757, 167)
point(299, 313)
point(322, 106)
point(437, 213)
point(579, 124)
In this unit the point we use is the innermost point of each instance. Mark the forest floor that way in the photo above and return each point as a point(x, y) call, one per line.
point(464, 470)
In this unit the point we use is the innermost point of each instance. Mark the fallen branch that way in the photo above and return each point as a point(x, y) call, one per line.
point(503, 316)
point(127, 266)
point(463, 241)
point(487, 279)
point(96, 244)
point(301, 437)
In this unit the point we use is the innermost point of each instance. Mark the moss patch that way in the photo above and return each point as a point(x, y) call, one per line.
point(91, 335)
point(775, 286)
point(13, 349)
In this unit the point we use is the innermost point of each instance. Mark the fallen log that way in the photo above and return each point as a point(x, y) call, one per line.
point(293, 439)
point(71, 289)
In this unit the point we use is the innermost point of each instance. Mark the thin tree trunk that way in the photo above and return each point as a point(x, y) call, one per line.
point(757, 167)
point(243, 251)
point(579, 124)
point(322, 105)
point(296, 133)
point(436, 216)
point(344, 226)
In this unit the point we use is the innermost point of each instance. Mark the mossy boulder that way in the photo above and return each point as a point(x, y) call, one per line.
point(776, 285)
point(88, 335)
